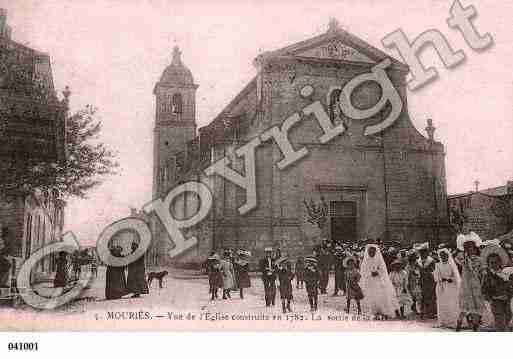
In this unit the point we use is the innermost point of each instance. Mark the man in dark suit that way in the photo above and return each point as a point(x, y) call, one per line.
point(268, 270)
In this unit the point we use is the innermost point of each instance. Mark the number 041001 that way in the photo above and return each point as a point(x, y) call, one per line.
point(19, 346)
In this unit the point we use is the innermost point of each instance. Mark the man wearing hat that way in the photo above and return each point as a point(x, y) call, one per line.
point(268, 269)
point(312, 278)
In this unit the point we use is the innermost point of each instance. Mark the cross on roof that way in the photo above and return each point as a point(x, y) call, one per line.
point(333, 25)
point(177, 55)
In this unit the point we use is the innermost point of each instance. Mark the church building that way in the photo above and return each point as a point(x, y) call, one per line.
point(389, 184)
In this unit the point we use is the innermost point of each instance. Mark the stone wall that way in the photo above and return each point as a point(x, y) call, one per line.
point(477, 209)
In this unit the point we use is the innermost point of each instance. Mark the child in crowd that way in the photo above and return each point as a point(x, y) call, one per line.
point(399, 279)
point(414, 288)
point(285, 276)
point(241, 268)
point(312, 278)
point(352, 278)
point(215, 277)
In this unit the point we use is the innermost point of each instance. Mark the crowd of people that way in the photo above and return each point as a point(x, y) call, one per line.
point(120, 281)
point(69, 268)
point(465, 282)
point(468, 282)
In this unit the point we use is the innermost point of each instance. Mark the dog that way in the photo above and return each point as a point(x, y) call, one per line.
point(157, 275)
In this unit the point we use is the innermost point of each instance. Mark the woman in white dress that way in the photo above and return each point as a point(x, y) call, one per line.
point(380, 297)
point(448, 282)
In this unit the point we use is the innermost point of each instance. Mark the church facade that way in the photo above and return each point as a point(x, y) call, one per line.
point(389, 185)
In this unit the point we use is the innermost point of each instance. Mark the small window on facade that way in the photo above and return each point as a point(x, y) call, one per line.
point(345, 209)
point(169, 104)
point(177, 103)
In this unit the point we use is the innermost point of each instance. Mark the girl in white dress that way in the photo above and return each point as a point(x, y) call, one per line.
point(448, 281)
point(379, 294)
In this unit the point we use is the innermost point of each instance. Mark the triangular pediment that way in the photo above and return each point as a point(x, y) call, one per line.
point(335, 49)
point(336, 44)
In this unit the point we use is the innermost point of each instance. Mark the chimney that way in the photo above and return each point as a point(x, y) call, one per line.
point(333, 26)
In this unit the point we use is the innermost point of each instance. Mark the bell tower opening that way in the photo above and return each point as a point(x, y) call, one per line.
point(177, 103)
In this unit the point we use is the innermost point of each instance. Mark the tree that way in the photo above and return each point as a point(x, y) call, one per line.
point(88, 160)
point(33, 120)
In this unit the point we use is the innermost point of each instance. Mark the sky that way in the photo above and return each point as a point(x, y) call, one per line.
point(111, 54)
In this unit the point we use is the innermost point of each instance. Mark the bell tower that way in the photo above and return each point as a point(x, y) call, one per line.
point(175, 118)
